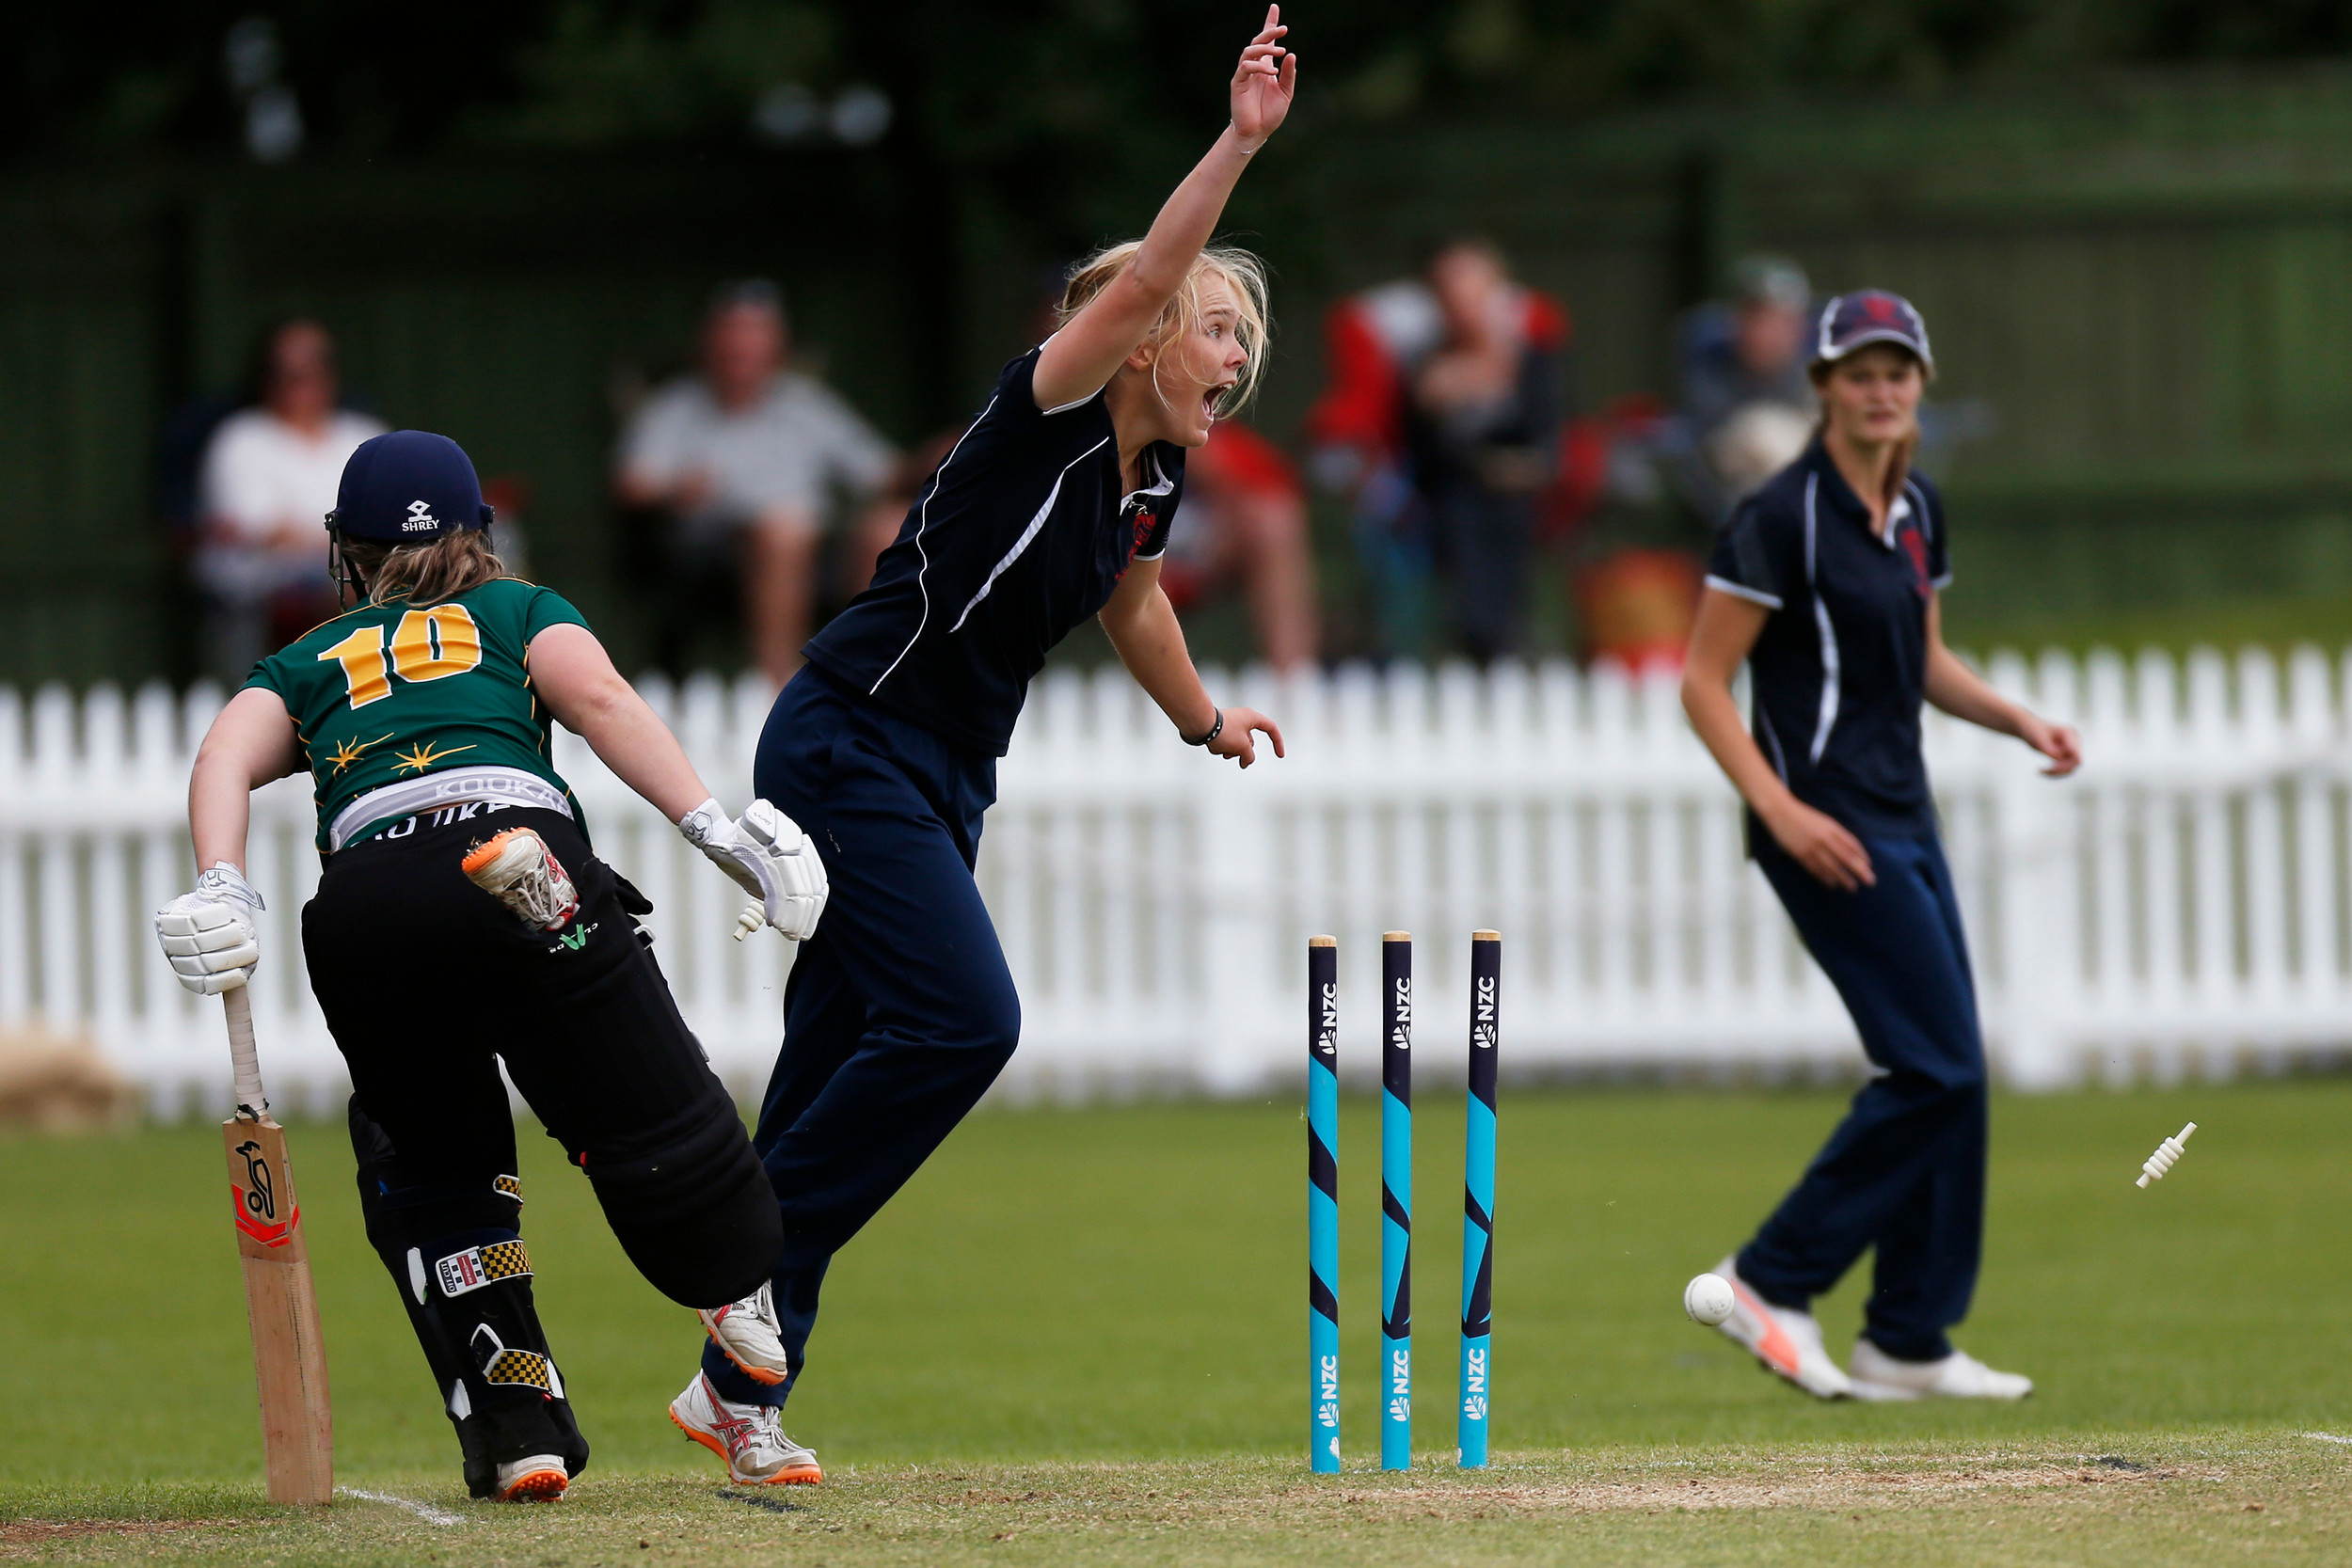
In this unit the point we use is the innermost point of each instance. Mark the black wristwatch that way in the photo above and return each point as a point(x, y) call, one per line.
point(1216, 727)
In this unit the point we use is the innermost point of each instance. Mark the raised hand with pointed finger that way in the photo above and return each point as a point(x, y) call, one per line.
point(1263, 83)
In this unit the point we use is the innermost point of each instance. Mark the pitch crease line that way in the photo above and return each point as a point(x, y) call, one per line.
point(426, 1511)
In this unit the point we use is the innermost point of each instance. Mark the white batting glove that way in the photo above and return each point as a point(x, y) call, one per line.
point(210, 935)
point(769, 857)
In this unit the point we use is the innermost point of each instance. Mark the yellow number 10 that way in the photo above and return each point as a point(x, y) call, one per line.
point(428, 645)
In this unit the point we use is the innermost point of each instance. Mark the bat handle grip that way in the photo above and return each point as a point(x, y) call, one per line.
point(246, 1064)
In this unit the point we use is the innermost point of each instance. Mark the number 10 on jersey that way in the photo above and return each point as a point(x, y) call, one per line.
point(427, 645)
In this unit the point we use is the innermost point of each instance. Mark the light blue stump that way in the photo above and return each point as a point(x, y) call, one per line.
point(1323, 1204)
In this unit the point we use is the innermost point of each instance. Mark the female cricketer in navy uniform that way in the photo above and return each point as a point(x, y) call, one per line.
point(1826, 583)
point(1055, 506)
point(461, 920)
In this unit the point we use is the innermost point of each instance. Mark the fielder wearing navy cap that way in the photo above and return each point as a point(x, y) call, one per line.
point(407, 486)
point(1872, 316)
point(1827, 584)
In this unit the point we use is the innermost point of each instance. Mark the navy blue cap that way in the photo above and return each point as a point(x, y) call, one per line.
point(1872, 316)
point(405, 487)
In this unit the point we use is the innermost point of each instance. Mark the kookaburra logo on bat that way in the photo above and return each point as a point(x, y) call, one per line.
point(260, 1196)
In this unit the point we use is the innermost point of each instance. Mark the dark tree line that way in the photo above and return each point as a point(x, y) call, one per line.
point(1058, 121)
point(989, 82)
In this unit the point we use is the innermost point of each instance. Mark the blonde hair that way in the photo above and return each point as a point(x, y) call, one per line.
point(1243, 272)
point(425, 574)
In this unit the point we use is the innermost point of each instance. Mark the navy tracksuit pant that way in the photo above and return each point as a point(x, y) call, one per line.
point(900, 1010)
point(1905, 1172)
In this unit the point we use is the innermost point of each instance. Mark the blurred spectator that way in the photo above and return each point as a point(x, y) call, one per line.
point(1482, 436)
point(266, 482)
point(1747, 411)
point(1440, 423)
point(1747, 408)
point(749, 461)
point(1244, 522)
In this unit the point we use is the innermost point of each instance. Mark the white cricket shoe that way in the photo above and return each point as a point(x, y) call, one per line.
point(747, 1333)
point(1958, 1376)
point(750, 1437)
point(1787, 1340)
point(540, 1478)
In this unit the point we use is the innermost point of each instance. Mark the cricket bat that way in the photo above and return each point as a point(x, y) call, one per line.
point(289, 1360)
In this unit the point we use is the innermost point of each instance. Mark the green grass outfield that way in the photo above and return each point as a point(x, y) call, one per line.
point(1079, 1336)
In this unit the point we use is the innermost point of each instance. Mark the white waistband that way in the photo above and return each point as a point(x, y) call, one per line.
point(406, 799)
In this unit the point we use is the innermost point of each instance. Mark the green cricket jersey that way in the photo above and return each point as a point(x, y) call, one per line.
point(384, 693)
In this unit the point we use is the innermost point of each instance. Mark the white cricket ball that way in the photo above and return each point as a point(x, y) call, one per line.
point(1707, 1299)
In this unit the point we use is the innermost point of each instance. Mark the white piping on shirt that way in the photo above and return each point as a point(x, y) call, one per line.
point(922, 555)
point(1073, 403)
point(1741, 591)
point(1168, 482)
point(1820, 619)
point(1028, 535)
point(1829, 677)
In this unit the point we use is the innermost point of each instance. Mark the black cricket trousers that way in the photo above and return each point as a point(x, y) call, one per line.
point(428, 983)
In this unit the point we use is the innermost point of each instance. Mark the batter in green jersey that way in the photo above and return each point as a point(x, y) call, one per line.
point(386, 694)
point(464, 936)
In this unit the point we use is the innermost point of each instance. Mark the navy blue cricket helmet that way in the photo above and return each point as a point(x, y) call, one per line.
point(1872, 316)
point(408, 488)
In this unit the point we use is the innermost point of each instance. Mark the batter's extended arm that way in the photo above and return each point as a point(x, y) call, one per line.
point(574, 677)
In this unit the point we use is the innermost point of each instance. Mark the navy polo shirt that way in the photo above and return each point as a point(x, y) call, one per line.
point(1021, 533)
point(1840, 668)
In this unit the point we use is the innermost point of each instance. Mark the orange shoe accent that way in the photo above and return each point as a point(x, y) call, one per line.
point(704, 1439)
point(762, 1375)
point(791, 1475)
point(488, 851)
point(1776, 1350)
point(536, 1486)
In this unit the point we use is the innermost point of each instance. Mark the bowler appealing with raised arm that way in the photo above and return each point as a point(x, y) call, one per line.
point(1054, 505)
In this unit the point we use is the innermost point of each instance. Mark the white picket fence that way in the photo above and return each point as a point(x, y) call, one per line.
point(2185, 905)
